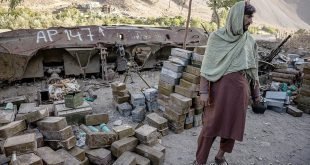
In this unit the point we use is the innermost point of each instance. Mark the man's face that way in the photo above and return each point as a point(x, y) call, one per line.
point(247, 21)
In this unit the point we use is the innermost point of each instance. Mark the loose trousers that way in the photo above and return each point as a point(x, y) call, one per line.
point(204, 146)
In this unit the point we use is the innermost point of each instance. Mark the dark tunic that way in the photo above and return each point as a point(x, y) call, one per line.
point(229, 99)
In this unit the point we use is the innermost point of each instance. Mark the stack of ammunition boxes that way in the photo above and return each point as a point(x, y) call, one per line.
point(56, 132)
point(171, 74)
point(304, 97)
point(176, 110)
point(151, 96)
point(138, 103)
point(158, 122)
point(178, 90)
point(120, 93)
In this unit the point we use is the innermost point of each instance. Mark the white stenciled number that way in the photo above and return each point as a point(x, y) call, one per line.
point(90, 35)
point(101, 31)
point(70, 35)
point(78, 34)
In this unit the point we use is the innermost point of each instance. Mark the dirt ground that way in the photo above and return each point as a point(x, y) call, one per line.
point(271, 138)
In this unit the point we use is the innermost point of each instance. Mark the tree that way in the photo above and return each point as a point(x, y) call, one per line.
point(12, 3)
point(220, 4)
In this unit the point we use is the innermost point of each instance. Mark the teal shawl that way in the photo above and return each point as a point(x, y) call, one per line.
point(230, 49)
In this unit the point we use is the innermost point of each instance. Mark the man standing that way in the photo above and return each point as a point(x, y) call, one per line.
point(228, 67)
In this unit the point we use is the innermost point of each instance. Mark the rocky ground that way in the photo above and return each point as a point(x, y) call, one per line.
point(271, 138)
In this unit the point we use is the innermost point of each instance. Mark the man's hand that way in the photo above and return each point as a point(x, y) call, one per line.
point(256, 100)
point(204, 99)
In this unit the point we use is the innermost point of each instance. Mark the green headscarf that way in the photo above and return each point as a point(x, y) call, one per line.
point(230, 49)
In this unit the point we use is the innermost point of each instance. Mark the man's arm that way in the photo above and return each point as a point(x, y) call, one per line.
point(255, 92)
point(203, 90)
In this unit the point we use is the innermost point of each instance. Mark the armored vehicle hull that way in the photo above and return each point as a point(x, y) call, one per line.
point(31, 53)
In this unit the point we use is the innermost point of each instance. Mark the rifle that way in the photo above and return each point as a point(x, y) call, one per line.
point(276, 51)
point(205, 29)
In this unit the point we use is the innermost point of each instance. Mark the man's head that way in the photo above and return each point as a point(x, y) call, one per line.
point(249, 10)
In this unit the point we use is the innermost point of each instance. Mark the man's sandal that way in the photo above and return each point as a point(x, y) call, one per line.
point(218, 161)
point(196, 163)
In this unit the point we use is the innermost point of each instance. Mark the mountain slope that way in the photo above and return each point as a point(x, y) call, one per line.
point(283, 13)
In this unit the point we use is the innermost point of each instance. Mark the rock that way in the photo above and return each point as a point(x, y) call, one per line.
point(117, 123)
point(265, 144)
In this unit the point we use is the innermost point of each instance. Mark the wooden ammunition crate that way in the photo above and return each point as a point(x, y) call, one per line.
point(73, 100)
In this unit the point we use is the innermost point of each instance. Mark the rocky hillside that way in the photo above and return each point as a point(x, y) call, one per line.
point(292, 14)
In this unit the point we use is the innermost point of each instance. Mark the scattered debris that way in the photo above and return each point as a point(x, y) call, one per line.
point(176, 97)
point(117, 123)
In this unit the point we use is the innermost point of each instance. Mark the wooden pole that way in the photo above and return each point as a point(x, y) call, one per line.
point(187, 22)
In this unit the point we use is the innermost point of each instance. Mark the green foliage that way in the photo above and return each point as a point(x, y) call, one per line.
point(217, 5)
point(302, 31)
point(222, 3)
point(270, 30)
point(24, 18)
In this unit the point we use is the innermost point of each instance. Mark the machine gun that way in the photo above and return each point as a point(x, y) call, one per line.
point(265, 62)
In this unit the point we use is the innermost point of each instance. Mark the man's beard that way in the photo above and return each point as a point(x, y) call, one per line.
point(245, 28)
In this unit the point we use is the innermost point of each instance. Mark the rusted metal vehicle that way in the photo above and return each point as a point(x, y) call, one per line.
point(34, 53)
